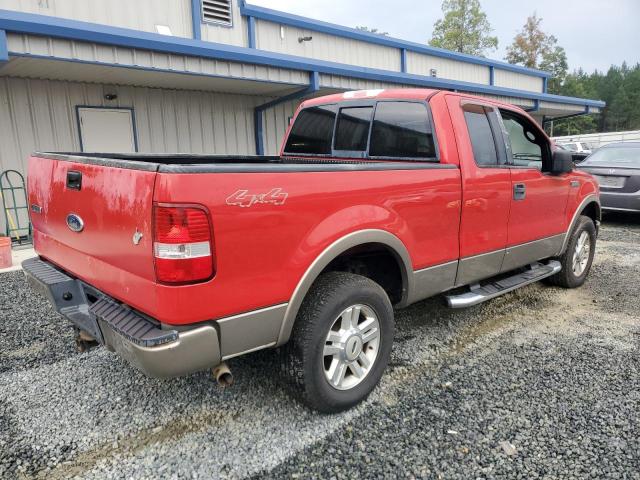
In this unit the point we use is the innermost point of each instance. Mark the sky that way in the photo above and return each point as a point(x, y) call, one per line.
point(594, 33)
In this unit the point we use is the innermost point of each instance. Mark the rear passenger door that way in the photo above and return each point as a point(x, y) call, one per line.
point(539, 199)
point(486, 192)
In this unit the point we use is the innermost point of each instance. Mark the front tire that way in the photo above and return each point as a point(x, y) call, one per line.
point(577, 259)
point(341, 342)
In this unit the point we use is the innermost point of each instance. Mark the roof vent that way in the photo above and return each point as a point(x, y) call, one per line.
point(217, 11)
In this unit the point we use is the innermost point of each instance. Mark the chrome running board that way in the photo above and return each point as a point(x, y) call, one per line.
point(481, 293)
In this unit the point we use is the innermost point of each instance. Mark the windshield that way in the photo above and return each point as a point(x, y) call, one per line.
point(619, 156)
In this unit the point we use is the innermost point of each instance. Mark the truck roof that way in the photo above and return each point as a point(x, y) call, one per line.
point(420, 94)
point(391, 93)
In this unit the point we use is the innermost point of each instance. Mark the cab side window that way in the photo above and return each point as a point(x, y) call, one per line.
point(528, 147)
point(482, 135)
point(402, 130)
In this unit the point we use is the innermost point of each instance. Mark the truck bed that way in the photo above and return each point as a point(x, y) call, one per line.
point(323, 199)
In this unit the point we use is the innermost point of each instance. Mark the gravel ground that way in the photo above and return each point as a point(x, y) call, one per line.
point(541, 383)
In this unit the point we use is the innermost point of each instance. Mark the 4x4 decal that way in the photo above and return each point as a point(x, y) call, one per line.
point(242, 198)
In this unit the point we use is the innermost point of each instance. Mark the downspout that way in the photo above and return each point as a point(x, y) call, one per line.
point(4, 49)
point(251, 32)
point(196, 19)
point(535, 108)
point(314, 86)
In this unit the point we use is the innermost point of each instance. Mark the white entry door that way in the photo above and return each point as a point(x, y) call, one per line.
point(107, 130)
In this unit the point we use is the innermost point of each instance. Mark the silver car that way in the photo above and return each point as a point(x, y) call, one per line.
point(617, 168)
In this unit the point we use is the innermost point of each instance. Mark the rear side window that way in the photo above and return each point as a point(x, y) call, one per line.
point(402, 130)
point(312, 131)
point(352, 130)
point(481, 135)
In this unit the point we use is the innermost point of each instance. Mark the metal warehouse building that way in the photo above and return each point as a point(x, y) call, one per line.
point(207, 76)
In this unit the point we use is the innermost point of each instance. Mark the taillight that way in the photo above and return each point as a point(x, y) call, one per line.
point(182, 244)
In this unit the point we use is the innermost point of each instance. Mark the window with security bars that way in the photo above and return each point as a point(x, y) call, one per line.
point(217, 11)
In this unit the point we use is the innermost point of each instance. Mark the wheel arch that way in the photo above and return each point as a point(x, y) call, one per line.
point(387, 240)
point(590, 207)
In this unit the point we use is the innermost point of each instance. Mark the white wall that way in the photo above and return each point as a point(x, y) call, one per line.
point(518, 81)
point(40, 115)
point(325, 47)
point(135, 14)
point(420, 64)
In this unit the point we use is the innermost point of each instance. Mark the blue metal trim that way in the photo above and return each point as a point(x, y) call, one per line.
point(535, 108)
point(545, 85)
point(492, 75)
point(133, 121)
point(4, 50)
point(196, 18)
point(314, 86)
point(403, 60)
point(103, 34)
point(338, 30)
point(251, 31)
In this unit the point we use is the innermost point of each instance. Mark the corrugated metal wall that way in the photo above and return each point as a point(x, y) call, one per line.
point(420, 64)
point(91, 52)
point(349, 83)
point(325, 47)
point(276, 121)
point(40, 115)
point(564, 108)
point(137, 14)
point(518, 81)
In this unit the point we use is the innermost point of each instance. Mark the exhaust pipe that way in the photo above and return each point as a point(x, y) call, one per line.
point(223, 375)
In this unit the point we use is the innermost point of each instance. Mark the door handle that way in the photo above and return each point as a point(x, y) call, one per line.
point(74, 180)
point(519, 191)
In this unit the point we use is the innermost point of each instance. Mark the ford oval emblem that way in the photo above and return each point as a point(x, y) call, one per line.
point(75, 223)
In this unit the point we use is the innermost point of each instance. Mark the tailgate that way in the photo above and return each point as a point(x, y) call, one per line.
point(94, 220)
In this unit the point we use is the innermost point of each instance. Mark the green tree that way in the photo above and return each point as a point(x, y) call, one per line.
point(555, 62)
point(533, 48)
point(463, 29)
point(619, 87)
point(574, 86)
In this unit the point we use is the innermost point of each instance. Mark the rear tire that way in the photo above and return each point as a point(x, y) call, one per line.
point(341, 342)
point(578, 257)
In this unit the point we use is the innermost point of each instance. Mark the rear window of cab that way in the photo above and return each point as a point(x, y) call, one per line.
point(386, 129)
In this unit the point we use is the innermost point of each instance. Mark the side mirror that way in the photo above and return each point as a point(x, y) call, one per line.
point(561, 162)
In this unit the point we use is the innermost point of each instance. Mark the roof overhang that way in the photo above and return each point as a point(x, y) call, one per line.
point(46, 26)
point(30, 66)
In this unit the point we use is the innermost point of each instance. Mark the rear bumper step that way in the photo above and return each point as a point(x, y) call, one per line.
point(479, 294)
point(157, 352)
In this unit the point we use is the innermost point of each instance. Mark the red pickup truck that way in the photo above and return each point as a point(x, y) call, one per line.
point(379, 199)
